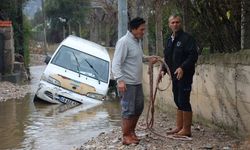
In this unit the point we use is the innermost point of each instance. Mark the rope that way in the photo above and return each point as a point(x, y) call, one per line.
point(153, 91)
point(150, 122)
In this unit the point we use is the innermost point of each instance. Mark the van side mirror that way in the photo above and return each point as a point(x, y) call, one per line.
point(112, 87)
point(112, 83)
point(47, 59)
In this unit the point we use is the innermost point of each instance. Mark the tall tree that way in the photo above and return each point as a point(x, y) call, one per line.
point(132, 9)
point(140, 8)
point(106, 19)
point(245, 24)
point(186, 15)
point(94, 30)
point(19, 34)
point(217, 23)
point(158, 26)
point(145, 13)
point(110, 22)
point(66, 12)
point(12, 10)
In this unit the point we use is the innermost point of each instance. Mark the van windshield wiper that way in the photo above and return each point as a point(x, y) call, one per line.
point(96, 73)
point(78, 64)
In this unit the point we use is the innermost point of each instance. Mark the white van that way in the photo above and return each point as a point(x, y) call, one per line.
point(78, 72)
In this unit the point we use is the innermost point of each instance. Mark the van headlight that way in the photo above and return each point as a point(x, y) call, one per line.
point(51, 80)
point(95, 96)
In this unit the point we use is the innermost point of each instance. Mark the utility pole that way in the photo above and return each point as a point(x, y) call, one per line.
point(44, 29)
point(122, 18)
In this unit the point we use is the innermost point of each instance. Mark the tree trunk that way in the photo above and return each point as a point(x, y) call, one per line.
point(158, 27)
point(79, 29)
point(93, 28)
point(69, 28)
point(107, 35)
point(140, 8)
point(186, 17)
point(64, 31)
point(44, 29)
point(145, 14)
point(99, 32)
point(133, 9)
point(245, 25)
point(19, 19)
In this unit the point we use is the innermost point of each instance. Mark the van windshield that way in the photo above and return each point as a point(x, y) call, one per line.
point(82, 63)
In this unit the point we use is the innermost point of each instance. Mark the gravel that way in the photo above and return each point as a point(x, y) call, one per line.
point(203, 137)
point(9, 90)
point(37, 59)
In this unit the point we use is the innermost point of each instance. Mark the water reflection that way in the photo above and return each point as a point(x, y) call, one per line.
point(28, 125)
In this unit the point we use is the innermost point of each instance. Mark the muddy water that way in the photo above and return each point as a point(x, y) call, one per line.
point(27, 124)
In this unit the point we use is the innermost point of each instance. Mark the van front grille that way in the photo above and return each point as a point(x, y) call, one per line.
point(49, 94)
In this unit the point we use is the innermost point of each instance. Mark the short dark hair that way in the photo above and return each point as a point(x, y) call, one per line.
point(175, 15)
point(135, 23)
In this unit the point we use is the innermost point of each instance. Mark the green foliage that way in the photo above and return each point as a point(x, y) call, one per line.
point(168, 9)
point(38, 18)
point(85, 33)
point(206, 51)
point(216, 24)
point(7, 9)
point(38, 28)
point(27, 35)
point(12, 10)
point(151, 34)
point(64, 13)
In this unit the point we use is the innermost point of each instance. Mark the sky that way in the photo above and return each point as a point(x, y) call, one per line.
point(31, 7)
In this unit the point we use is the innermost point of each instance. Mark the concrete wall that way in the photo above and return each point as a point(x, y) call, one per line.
point(8, 49)
point(220, 91)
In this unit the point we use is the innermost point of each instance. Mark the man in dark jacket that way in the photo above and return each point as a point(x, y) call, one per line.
point(180, 54)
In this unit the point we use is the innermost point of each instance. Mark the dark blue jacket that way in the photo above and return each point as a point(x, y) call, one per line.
point(182, 52)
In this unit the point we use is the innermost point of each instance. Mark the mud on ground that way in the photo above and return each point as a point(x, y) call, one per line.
point(9, 90)
point(203, 137)
point(13, 91)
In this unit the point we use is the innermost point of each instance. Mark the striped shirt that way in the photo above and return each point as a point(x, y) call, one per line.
point(127, 61)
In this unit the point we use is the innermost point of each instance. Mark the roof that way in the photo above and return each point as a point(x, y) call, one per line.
point(86, 46)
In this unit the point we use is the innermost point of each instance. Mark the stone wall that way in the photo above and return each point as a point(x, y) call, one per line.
point(7, 30)
point(220, 91)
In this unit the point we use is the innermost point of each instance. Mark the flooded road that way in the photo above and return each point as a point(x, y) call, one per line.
point(35, 125)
